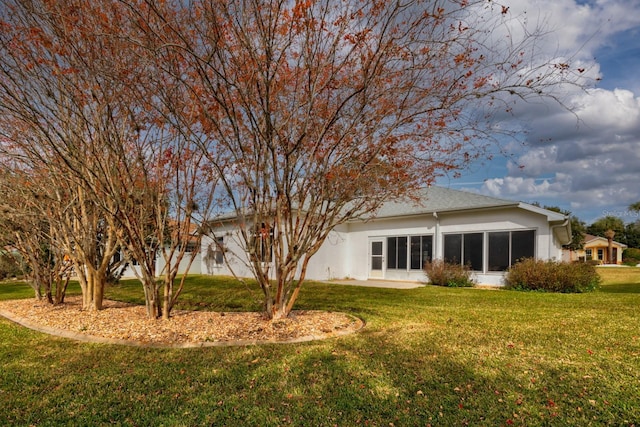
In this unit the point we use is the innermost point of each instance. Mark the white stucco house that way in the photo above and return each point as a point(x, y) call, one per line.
point(487, 233)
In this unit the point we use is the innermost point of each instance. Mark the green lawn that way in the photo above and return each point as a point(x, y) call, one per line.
point(438, 356)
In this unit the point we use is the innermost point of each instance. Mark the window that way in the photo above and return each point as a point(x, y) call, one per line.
point(396, 253)
point(453, 248)
point(473, 250)
point(508, 247)
point(215, 253)
point(522, 245)
point(600, 254)
point(135, 262)
point(219, 253)
point(464, 249)
point(499, 251)
point(589, 254)
point(408, 252)
point(376, 255)
point(192, 247)
point(421, 251)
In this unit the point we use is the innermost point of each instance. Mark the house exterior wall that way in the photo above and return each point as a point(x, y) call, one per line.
point(347, 251)
point(362, 233)
point(330, 262)
point(196, 266)
point(235, 259)
point(546, 246)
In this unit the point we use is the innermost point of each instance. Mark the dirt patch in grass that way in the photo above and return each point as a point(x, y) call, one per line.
point(128, 324)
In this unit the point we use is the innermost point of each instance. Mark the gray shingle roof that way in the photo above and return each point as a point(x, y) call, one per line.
point(441, 199)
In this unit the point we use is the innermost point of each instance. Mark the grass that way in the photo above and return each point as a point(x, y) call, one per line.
point(432, 355)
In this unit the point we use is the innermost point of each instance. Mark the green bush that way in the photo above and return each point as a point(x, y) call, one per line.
point(442, 273)
point(552, 276)
point(631, 256)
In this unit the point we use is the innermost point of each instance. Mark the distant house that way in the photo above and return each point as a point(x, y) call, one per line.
point(597, 248)
point(487, 233)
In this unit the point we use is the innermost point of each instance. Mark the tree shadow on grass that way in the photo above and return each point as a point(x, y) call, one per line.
point(621, 288)
point(376, 377)
point(375, 380)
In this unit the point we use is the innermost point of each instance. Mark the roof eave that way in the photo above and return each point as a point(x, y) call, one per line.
point(439, 211)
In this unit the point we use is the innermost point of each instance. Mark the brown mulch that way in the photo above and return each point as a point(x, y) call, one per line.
point(128, 324)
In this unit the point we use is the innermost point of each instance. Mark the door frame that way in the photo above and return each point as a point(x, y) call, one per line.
point(371, 273)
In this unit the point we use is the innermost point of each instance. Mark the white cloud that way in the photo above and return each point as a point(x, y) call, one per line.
point(588, 159)
point(591, 164)
point(577, 27)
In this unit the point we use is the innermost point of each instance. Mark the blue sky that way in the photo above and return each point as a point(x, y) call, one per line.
point(589, 165)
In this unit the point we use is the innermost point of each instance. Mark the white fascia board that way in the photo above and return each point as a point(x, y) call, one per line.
point(551, 215)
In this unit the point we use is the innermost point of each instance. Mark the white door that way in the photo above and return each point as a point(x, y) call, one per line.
point(376, 258)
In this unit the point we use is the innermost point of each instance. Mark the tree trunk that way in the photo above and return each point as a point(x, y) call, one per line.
point(609, 234)
point(93, 290)
point(61, 289)
point(278, 312)
point(152, 299)
point(167, 298)
point(87, 291)
point(100, 279)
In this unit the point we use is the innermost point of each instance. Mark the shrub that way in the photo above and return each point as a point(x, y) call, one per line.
point(441, 273)
point(631, 256)
point(552, 276)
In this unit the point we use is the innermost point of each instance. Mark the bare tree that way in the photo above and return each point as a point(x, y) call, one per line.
point(52, 121)
point(320, 111)
point(163, 187)
point(78, 95)
point(25, 227)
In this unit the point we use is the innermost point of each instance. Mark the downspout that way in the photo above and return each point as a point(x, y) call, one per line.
point(437, 238)
point(551, 230)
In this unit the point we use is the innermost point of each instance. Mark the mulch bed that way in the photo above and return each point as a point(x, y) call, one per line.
point(128, 324)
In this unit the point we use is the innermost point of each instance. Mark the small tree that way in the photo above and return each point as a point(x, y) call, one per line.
point(25, 228)
point(77, 102)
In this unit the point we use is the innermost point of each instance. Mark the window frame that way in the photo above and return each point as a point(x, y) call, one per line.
point(510, 244)
point(421, 249)
point(218, 251)
point(465, 244)
point(397, 262)
point(399, 251)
